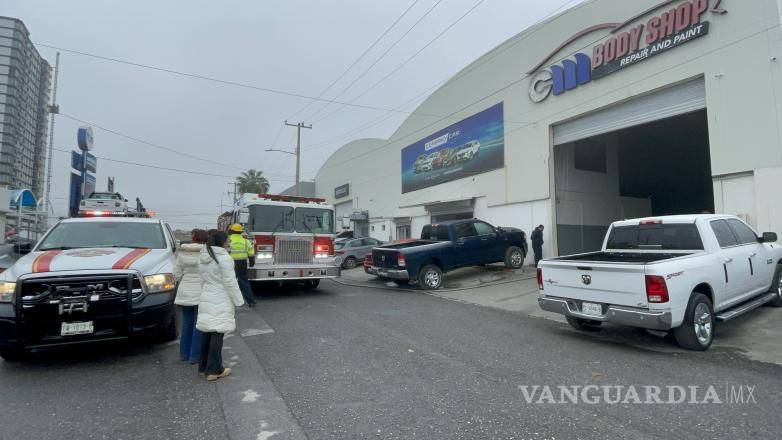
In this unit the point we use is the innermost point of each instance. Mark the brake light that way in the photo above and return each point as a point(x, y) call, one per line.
point(540, 279)
point(400, 261)
point(323, 247)
point(652, 222)
point(264, 247)
point(656, 289)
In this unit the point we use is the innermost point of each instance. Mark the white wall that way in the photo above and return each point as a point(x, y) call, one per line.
point(380, 229)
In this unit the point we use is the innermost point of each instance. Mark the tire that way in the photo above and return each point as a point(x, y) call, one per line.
point(168, 332)
point(350, 263)
point(430, 277)
point(697, 331)
point(584, 325)
point(311, 284)
point(776, 286)
point(402, 283)
point(13, 354)
point(514, 258)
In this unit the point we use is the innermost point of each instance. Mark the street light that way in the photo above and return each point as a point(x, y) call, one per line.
point(296, 153)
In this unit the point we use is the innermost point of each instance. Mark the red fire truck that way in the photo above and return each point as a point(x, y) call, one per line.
point(294, 237)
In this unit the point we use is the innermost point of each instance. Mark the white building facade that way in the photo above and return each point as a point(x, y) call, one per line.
point(610, 110)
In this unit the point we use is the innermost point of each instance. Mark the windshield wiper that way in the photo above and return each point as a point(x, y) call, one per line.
point(123, 246)
point(57, 248)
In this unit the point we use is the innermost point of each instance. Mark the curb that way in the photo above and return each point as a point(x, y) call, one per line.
point(458, 289)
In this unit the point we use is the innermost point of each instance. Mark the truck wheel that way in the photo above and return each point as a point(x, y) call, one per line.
point(168, 332)
point(584, 325)
point(430, 277)
point(13, 354)
point(776, 286)
point(514, 258)
point(697, 329)
point(350, 263)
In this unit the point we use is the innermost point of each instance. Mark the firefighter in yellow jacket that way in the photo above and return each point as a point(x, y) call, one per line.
point(242, 251)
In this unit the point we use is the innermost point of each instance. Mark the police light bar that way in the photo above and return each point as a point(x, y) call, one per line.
point(295, 199)
point(101, 213)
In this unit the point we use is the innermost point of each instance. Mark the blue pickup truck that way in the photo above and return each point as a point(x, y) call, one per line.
point(446, 246)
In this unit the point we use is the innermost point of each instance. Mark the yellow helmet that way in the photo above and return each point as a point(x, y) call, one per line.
point(236, 227)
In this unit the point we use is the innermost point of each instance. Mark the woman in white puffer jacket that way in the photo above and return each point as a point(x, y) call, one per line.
point(188, 295)
point(220, 295)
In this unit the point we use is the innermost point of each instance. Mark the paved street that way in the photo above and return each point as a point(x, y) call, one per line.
point(354, 362)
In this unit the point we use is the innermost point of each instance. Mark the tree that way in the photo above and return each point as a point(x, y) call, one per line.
point(252, 181)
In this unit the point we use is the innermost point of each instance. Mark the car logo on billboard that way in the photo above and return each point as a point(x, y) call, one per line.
point(586, 279)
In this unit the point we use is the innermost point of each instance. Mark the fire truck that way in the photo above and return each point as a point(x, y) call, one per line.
point(293, 236)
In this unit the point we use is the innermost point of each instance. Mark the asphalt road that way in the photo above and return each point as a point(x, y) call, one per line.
point(356, 363)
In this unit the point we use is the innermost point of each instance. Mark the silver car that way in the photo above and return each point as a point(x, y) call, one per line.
point(353, 250)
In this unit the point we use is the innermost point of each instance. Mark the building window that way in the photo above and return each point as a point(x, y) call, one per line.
point(384, 227)
point(590, 155)
point(402, 232)
point(373, 228)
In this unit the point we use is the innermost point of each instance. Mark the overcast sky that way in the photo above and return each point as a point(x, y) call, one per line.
point(295, 46)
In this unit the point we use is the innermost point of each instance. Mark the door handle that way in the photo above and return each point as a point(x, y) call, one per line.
point(727, 260)
point(753, 254)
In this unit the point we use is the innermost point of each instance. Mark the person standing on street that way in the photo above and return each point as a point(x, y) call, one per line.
point(188, 295)
point(537, 243)
point(242, 251)
point(220, 295)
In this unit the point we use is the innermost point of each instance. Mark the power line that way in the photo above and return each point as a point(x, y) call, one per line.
point(383, 55)
point(166, 168)
point(356, 61)
point(212, 79)
point(399, 67)
point(461, 74)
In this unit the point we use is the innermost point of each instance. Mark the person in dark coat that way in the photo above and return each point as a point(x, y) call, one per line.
point(537, 243)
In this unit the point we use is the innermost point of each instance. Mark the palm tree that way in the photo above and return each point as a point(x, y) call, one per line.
point(252, 181)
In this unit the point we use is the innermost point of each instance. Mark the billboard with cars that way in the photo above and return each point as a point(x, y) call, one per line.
point(471, 146)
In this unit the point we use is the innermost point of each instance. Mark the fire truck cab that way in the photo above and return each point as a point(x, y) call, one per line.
point(293, 236)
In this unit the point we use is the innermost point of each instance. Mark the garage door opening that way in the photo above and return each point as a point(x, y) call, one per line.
point(657, 168)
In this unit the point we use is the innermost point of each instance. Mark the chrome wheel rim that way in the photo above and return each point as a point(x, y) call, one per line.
point(516, 259)
point(432, 278)
point(702, 323)
point(350, 263)
point(779, 287)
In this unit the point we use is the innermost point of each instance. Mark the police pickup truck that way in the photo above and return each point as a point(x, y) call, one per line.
point(89, 279)
point(677, 273)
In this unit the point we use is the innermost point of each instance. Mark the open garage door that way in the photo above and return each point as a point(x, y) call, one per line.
point(660, 166)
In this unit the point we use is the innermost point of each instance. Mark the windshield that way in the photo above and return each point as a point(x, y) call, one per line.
point(314, 220)
point(672, 237)
point(94, 234)
point(103, 196)
point(265, 218)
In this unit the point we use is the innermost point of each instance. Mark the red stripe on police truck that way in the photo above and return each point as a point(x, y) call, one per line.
point(130, 258)
point(43, 262)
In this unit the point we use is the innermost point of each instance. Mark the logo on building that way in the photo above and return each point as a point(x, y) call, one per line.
point(629, 43)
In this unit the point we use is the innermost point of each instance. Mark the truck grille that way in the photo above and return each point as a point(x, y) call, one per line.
point(290, 250)
point(107, 287)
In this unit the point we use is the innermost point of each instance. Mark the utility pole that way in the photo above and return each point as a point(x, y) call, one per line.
point(53, 110)
point(298, 126)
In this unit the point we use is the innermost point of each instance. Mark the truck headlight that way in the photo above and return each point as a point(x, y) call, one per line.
point(7, 289)
point(159, 282)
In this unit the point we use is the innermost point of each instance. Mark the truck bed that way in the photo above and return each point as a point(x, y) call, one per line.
point(409, 244)
point(621, 257)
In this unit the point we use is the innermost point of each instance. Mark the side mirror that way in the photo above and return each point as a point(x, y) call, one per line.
point(769, 237)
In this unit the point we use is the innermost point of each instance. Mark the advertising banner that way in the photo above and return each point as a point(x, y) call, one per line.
point(472, 146)
point(92, 163)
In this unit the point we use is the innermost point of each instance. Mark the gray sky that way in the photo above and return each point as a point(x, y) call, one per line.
point(293, 45)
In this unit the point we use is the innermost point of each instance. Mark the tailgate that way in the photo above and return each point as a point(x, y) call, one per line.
point(618, 284)
point(386, 258)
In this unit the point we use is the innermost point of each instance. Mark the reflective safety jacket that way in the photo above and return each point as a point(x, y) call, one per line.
point(241, 248)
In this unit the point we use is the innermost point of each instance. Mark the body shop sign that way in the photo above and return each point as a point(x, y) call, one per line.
point(628, 45)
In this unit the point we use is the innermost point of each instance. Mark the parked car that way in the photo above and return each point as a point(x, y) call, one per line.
point(466, 152)
point(446, 246)
point(442, 158)
point(353, 250)
point(428, 163)
point(677, 273)
point(105, 201)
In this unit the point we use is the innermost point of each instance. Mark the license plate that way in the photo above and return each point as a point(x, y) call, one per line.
point(76, 328)
point(591, 309)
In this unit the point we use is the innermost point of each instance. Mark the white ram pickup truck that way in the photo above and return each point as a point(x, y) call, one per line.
point(678, 273)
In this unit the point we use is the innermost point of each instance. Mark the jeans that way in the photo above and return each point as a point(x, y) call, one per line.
point(538, 253)
point(190, 337)
point(240, 268)
point(211, 353)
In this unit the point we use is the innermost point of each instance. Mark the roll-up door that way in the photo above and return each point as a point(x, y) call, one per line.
point(677, 100)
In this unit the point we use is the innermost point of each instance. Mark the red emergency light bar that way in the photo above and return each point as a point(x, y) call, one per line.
point(294, 199)
point(101, 213)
